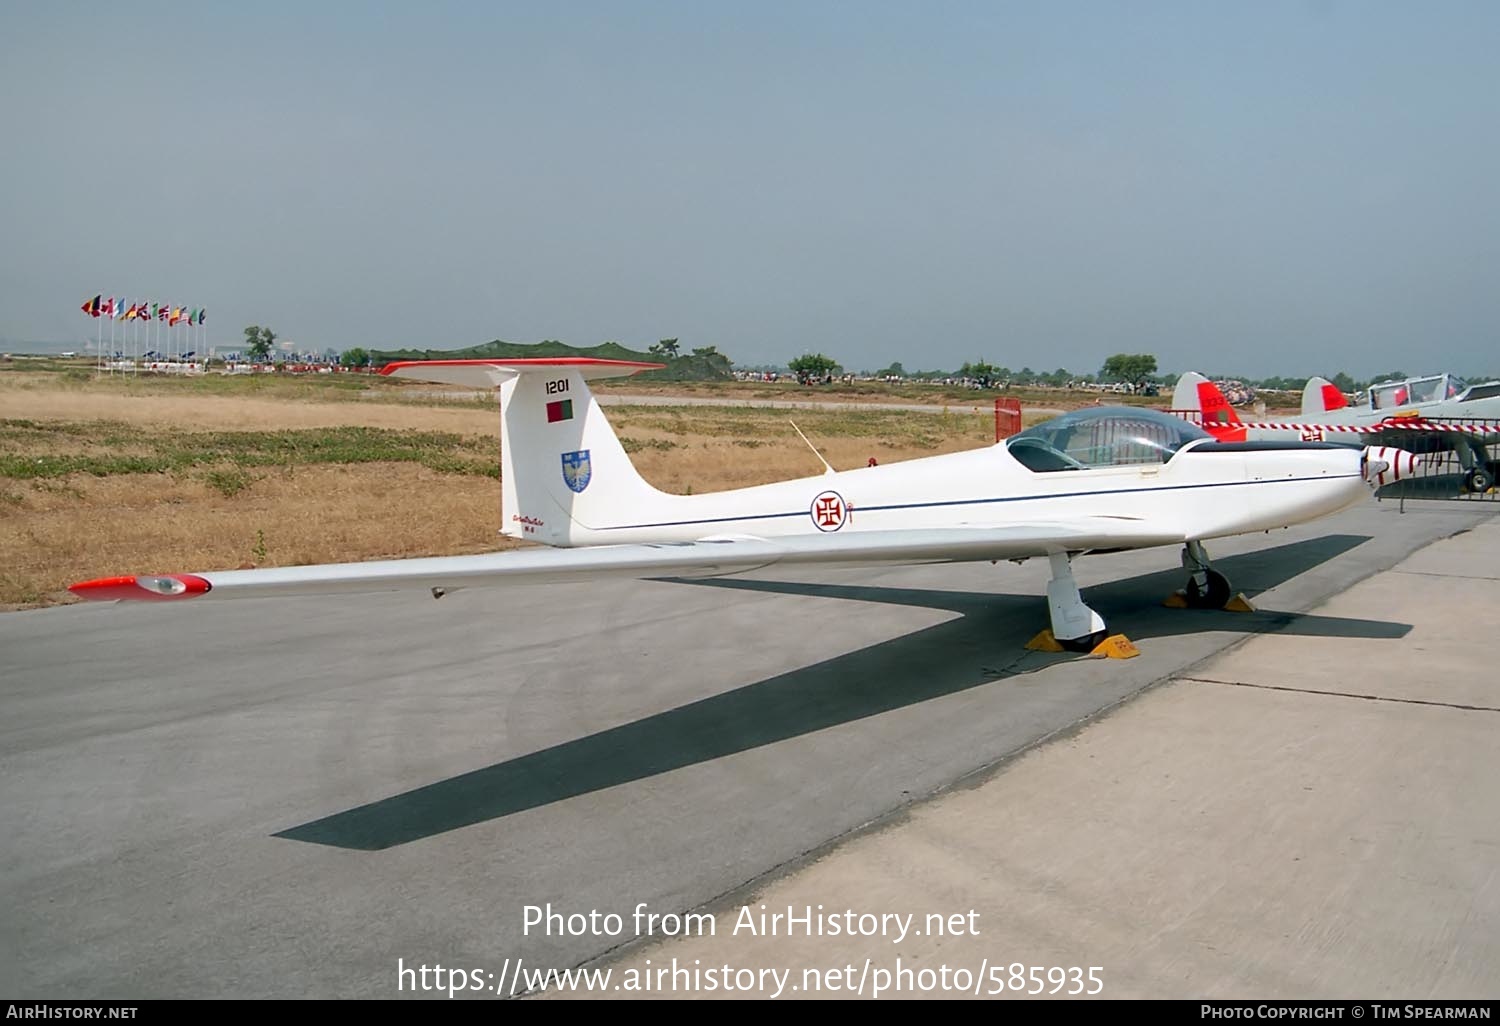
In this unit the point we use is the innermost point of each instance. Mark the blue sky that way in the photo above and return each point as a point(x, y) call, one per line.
point(1267, 188)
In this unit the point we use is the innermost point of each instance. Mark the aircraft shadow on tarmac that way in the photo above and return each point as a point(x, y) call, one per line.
point(946, 658)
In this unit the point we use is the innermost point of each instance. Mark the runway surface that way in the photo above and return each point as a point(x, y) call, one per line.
point(293, 798)
point(1307, 817)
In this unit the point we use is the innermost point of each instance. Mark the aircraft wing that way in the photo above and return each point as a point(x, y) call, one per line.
point(1395, 430)
point(708, 557)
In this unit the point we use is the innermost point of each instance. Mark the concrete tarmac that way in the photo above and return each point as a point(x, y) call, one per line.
point(1300, 817)
point(282, 798)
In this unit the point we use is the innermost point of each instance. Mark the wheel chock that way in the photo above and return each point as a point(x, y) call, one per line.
point(1116, 646)
point(1238, 604)
point(1045, 641)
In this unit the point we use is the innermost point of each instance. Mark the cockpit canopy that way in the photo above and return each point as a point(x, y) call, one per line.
point(1430, 389)
point(1104, 436)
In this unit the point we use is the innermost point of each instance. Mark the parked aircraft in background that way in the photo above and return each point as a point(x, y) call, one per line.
point(1435, 397)
point(1420, 415)
point(1104, 478)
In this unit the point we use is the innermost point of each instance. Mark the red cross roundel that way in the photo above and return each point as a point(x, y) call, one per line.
point(829, 511)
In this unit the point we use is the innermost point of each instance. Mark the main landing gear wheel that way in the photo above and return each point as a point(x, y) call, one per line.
point(1214, 593)
point(1087, 643)
point(1478, 480)
point(1074, 626)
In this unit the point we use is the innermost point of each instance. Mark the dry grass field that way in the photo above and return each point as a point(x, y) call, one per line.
point(103, 476)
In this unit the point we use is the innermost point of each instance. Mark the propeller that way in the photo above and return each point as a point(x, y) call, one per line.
point(1382, 464)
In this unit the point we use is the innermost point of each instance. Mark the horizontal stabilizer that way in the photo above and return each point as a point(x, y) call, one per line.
point(492, 373)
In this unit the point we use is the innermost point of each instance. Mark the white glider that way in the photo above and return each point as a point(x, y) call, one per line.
point(1099, 479)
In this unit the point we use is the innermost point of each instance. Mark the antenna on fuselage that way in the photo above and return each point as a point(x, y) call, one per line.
point(814, 448)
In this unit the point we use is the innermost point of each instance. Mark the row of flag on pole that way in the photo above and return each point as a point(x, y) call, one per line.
point(117, 309)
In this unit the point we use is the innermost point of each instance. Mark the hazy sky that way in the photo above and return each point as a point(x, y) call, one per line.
point(1250, 188)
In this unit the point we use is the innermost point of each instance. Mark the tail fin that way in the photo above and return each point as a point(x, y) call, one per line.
point(1320, 396)
point(1196, 393)
point(562, 467)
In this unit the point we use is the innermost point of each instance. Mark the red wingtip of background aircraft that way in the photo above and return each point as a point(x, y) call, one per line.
point(139, 588)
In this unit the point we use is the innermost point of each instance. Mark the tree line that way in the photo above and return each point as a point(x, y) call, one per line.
point(1135, 370)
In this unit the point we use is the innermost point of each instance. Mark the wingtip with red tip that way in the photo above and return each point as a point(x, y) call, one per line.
point(141, 588)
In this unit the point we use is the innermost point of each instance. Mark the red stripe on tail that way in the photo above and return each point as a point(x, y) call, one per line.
point(1219, 418)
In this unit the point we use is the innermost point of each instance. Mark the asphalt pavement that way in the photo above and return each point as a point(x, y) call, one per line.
point(302, 798)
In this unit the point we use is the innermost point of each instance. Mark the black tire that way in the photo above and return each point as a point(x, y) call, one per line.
point(1215, 595)
point(1087, 643)
point(1479, 481)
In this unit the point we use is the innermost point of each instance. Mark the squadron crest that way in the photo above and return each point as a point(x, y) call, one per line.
point(576, 469)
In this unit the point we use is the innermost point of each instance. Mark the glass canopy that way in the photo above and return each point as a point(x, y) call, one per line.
point(1103, 436)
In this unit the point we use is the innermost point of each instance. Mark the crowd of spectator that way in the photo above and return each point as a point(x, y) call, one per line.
point(1237, 392)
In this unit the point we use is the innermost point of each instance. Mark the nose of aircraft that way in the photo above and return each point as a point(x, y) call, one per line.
point(1381, 464)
